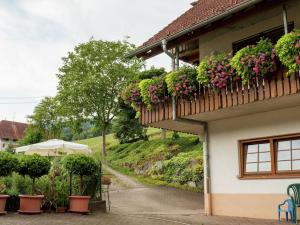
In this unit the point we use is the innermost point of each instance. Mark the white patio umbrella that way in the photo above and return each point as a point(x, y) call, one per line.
point(54, 147)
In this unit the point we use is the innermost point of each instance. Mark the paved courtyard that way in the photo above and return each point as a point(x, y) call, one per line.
point(135, 204)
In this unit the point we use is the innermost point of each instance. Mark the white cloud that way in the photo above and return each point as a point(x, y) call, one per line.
point(35, 34)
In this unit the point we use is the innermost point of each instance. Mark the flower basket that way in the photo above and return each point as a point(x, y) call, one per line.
point(288, 51)
point(216, 71)
point(182, 83)
point(153, 91)
point(255, 62)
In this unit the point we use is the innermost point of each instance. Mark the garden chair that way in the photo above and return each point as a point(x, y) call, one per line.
point(289, 211)
point(293, 191)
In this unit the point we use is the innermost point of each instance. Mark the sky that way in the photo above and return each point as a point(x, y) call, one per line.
point(36, 34)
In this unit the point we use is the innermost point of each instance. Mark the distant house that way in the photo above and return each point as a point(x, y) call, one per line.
point(250, 133)
point(10, 132)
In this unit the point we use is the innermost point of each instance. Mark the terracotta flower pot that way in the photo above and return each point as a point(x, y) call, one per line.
point(2, 204)
point(61, 209)
point(31, 204)
point(79, 204)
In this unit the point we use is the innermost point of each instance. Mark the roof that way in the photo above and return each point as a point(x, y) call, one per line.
point(12, 130)
point(202, 12)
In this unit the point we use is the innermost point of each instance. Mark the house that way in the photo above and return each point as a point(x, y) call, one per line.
point(251, 133)
point(10, 132)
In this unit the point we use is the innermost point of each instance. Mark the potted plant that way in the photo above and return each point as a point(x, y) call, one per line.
point(8, 164)
point(80, 165)
point(34, 166)
point(255, 62)
point(153, 91)
point(61, 198)
point(182, 83)
point(216, 71)
point(288, 51)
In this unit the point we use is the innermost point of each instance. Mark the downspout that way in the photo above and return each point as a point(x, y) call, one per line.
point(207, 191)
point(285, 20)
point(206, 162)
point(175, 65)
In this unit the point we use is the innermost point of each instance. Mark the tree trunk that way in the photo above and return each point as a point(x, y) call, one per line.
point(163, 134)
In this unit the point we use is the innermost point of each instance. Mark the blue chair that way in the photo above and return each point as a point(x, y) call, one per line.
point(289, 211)
point(293, 191)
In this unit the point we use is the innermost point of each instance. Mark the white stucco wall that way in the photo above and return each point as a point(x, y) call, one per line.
point(224, 136)
point(221, 39)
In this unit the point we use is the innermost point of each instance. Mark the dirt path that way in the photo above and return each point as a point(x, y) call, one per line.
point(124, 180)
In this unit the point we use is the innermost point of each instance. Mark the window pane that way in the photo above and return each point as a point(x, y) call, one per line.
point(283, 165)
point(252, 157)
point(284, 155)
point(296, 144)
point(265, 167)
point(266, 156)
point(296, 165)
point(251, 167)
point(252, 148)
point(284, 145)
point(264, 147)
point(296, 154)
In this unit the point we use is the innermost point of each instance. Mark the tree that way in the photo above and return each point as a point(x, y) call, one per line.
point(10, 148)
point(126, 126)
point(91, 78)
point(44, 123)
point(31, 136)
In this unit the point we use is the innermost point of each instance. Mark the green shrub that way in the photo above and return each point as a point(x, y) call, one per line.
point(8, 164)
point(35, 166)
point(182, 83)
point(255, 62)
point(183, 168)
point(288, 51)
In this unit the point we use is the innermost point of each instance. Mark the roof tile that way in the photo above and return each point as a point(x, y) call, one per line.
point(12, 130)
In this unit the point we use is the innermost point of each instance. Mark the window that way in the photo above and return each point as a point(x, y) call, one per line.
point(273, 34)
point(271, 157)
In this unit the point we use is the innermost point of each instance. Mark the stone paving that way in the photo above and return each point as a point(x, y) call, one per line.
point(124, 219)
point(134, 204)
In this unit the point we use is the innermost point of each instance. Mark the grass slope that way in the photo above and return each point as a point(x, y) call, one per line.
point(155, 162)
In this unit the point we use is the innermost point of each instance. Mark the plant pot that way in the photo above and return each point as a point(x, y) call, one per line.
point(79, 204)
point(30, 204)
point(61, 209)
point(2, 204)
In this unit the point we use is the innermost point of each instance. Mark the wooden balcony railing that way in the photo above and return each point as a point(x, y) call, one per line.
point(208, 99)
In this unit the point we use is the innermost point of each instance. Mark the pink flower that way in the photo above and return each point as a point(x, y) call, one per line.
point(298, 60)
point(256, 70)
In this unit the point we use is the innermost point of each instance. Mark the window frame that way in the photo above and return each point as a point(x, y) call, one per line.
point(274, 173)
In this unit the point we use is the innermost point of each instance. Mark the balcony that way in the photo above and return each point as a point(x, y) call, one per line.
point(278, 92)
